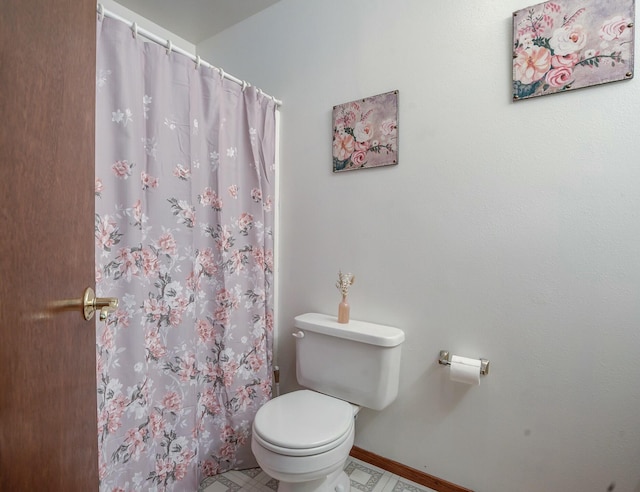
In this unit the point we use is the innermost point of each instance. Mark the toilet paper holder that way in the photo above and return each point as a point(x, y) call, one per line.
point(445, 360)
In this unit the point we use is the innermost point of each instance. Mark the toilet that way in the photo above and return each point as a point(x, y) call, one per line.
point(303, 438)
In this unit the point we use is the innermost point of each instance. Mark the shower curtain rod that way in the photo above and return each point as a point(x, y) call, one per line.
point(171, 47)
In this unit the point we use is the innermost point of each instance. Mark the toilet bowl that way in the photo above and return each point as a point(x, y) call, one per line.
point(303, 440)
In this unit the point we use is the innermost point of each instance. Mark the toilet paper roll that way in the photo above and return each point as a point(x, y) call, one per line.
point(465, 370)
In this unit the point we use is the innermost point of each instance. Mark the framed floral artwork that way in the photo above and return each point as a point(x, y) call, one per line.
point(568, 44)
point(365, 133)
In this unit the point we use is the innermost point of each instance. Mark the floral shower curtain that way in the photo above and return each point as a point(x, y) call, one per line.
point(185, 164)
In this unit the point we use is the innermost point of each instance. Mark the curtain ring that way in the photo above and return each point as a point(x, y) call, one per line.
point(221, 73)
point(244, 85)
point(100, 12)
point(134, 28)
point(198, 61)
point(169, 46)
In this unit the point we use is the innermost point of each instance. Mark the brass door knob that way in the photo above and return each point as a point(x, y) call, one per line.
point(88, 304)
point(91, 304)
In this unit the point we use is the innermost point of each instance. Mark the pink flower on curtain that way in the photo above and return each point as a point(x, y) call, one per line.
point(135, 440)
point(187, 369)
point(155, 309)
point(182, 172)
point(245, 223)
point(167, 244)
point(99, 187)
point(224, 238)
point(210, 468)
point(207, 262)
point(221, 315)
point(210, 198)
point(149, 261)
point(206, 331)
point(256, 195)
point(227, 299)
point(122, 169)
point(148, 181)
point(172, 402)
point(157, 424)
point(255, 361)
point(154, 346)
point(107, 233)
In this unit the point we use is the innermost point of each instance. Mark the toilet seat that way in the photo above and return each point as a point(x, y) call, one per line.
point(303, 423)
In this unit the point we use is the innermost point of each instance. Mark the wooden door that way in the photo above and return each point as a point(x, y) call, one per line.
point(48, 436)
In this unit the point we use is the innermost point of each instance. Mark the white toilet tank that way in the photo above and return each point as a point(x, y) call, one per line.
point(357, 361)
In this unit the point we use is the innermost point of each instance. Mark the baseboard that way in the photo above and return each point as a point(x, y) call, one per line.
point(406, 472)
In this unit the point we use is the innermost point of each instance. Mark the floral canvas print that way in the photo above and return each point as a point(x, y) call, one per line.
point(365, 133)
point(569, 44)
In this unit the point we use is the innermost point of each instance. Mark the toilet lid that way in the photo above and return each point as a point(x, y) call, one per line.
point(303, 421)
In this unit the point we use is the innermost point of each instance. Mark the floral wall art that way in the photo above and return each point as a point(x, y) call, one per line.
point(569, 44)
point(365, 133)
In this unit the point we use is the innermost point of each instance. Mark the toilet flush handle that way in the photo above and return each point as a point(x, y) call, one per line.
point(298, 334)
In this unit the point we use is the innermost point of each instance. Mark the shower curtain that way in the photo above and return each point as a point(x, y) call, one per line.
point(185, 170)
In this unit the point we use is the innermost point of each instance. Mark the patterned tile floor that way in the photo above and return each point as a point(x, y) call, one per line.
point(363, 476)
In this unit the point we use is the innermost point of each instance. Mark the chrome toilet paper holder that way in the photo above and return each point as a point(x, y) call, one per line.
point(445, 360)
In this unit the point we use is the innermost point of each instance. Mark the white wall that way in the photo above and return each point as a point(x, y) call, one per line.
point(508, 230)
point(145, 23)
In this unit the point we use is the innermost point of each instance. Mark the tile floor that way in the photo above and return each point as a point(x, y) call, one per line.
point(363, 477)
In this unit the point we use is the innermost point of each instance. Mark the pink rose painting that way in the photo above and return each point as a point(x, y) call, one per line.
point(365, 133)
point(569, 44)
